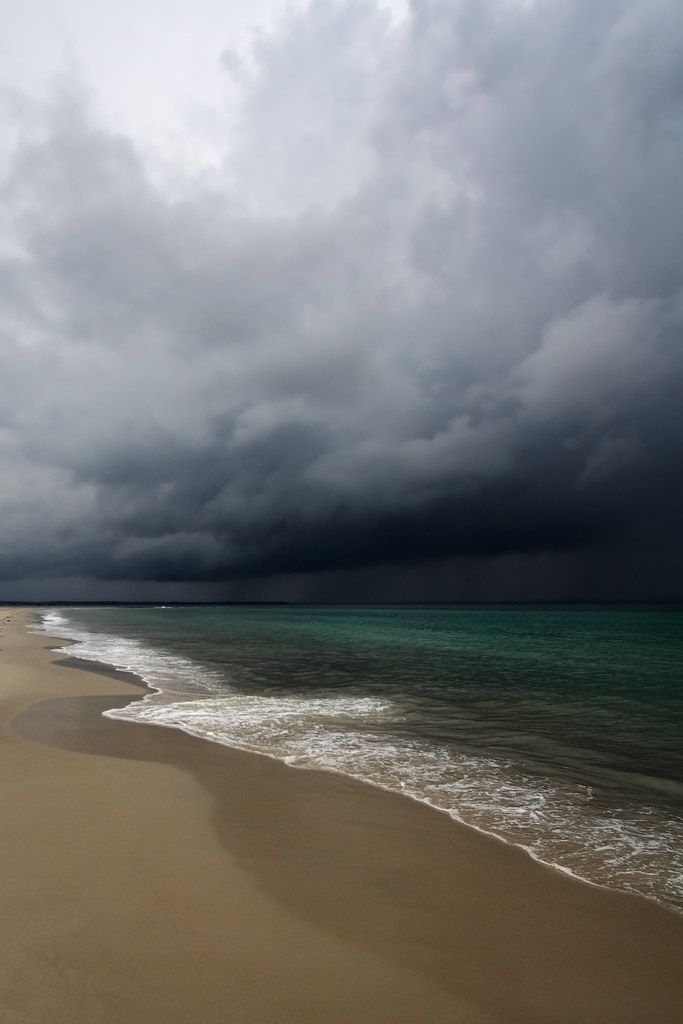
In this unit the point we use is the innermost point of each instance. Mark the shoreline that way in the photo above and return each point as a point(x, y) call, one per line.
point(404, 914)
point(102, 668)
point(106, 668)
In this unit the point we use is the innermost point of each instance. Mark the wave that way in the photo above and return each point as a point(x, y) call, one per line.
point(630, 847)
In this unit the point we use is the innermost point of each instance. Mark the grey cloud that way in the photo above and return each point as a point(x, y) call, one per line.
point(430, 308)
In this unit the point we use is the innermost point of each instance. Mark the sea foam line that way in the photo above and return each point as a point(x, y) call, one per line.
point(202, 695)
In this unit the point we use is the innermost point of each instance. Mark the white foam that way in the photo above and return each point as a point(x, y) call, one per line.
point(634, 848)
point(161, 670)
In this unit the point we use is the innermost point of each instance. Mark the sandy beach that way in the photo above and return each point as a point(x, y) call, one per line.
point(153, 878)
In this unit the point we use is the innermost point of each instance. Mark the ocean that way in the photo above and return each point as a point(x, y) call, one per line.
point(554, 727)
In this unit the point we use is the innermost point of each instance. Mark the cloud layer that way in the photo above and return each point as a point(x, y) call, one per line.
point(428, 308)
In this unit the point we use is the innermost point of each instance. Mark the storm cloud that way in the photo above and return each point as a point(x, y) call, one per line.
point(422, 318)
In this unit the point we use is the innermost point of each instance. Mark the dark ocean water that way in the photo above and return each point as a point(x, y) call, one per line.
point(557, 728)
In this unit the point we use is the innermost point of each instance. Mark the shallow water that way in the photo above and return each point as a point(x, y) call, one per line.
point(557, 728)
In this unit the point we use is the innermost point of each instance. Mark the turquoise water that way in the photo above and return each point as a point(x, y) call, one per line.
point(557, 728)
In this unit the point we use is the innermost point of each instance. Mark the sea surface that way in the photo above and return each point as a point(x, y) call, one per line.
point(555, 727)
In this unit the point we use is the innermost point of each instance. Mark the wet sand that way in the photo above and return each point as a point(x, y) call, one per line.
point(152, 878)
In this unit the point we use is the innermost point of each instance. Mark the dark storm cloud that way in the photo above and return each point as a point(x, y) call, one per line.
point(430, 308)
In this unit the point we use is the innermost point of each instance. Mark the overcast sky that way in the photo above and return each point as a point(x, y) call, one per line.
point(341, 300)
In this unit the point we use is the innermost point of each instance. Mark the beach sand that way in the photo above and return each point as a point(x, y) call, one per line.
point(149, 877)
